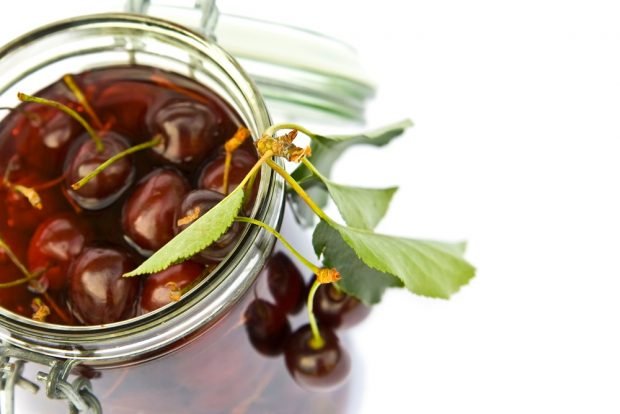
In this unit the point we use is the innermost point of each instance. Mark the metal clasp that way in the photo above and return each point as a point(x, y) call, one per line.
point(200, 15)
point(78, 393)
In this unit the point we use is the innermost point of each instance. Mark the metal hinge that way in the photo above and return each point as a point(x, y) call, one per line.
point(78, 392)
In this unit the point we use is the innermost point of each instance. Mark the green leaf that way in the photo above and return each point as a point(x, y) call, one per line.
point(198, 236)
point(427, 268)
point(326, 150)
point(358, 279)
point(361, 207)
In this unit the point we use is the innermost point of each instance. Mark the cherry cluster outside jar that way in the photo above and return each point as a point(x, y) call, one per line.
point(193, 355)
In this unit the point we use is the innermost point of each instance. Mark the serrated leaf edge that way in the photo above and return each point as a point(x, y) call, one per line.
point(137, 271)
point(338, 227)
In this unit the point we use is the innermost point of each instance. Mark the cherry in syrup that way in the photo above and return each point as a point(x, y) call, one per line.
point(109, 185)
point(190, 130)
point(43, 134)
point(98, 292)
point(161, 288)
point(149, 212)
point(125, 111)
point(55, 243)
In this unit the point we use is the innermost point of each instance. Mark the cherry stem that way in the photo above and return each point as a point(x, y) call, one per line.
point(250, 175)
point(282, 239)
point(30, 193)
point(300, 191)
point(49, 184)
point(230, 147)
point(306, 162)
point(227, 162)
point(64, 108)
point(148, 144)
point(249, 187)
point(65, 318)
point(70, 82)
point(317, 341)
point(275, 128)
point(28, 276)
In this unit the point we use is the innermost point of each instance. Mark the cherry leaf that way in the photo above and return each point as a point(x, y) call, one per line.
point(326, 149)
point(361, 207)
point(359, 280)
point(198, 236)
point(427, 268)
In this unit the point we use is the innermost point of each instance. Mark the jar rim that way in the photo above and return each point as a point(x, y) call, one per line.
point(148, 334)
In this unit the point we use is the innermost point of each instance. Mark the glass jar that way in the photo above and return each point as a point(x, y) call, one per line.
point(193, 355)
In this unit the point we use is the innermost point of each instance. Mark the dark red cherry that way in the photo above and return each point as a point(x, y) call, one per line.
point(43, 138)
point(57, 241)
point(267, 326)
point(159, 288)
point(212, 174)
point(98, 293)
point(285, 283)
point(125, 111)
point(42, 134)
point(110, 184)
point(149, 212)
point(316, 369)
point(334, 308)
point(190, 129)
point(196, 203)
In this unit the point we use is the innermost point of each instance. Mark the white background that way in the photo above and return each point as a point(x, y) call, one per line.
point(516, 149)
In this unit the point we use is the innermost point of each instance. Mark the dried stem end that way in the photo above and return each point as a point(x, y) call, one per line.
point(327, 275)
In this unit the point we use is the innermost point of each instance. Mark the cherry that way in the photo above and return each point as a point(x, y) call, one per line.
point(98, 292)
point(159, 288)
point(334, 308)
point(267, 327)
point(212, 174)
point(44, 137)
point(110, 184)
point(43, 134)
point(58, 240)
point(285, 283)
point(126, 111)
point(191, 131)
point(196, 203)
point(316, 368)
point(148, 213)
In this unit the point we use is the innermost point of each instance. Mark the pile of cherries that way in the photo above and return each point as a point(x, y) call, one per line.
point(270, 333)
point(79, 242)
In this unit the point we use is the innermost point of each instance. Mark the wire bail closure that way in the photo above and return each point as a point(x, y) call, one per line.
point(78, 393)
